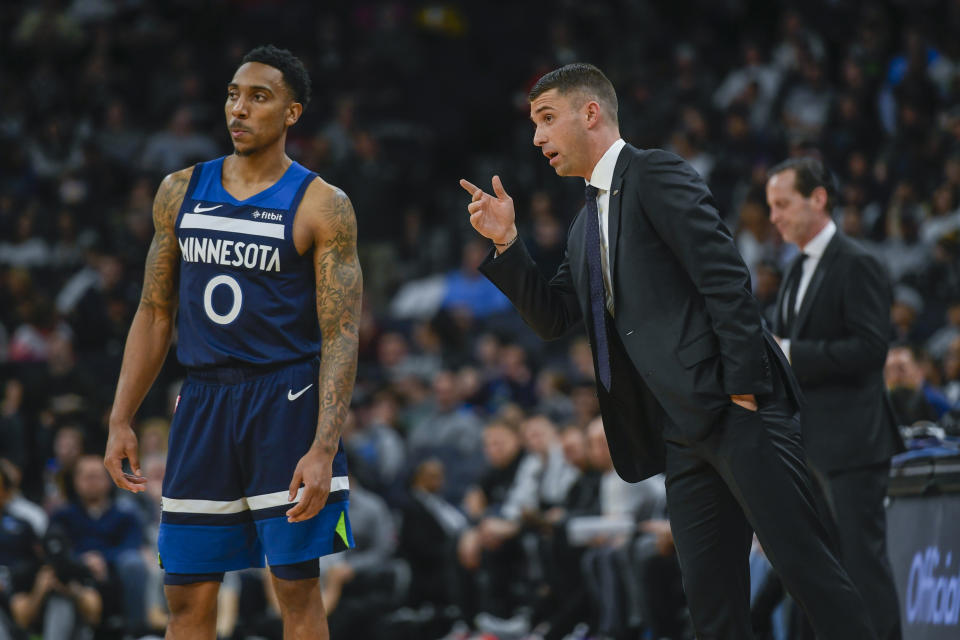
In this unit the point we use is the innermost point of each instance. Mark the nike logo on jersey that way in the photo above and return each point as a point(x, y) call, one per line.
point(291, 396)
point(199, 209)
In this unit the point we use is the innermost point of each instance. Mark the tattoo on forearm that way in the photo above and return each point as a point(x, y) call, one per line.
point(162, 268)
point(339, 292)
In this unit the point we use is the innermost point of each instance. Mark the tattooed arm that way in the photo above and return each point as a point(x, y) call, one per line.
point(339, 289)
point(150, 332)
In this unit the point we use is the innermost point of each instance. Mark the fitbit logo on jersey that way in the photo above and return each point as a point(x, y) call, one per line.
point(228, 252)
point(267, 215)
point(933, 599)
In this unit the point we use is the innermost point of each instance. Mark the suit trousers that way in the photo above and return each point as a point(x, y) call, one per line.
point(856, 497)
point(749, 475)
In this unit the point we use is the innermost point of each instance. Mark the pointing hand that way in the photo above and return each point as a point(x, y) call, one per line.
point(491, 215)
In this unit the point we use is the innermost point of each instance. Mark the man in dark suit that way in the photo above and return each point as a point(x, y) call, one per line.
point(688, 381)
point(833, 320)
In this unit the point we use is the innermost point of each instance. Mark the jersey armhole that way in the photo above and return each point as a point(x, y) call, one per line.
point(188, 194)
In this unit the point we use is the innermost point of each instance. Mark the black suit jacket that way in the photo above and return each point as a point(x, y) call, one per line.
point(838, 346)
point(684, 313)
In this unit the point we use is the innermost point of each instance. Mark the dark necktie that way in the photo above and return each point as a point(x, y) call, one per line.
point(598, 296)
point(793, 280)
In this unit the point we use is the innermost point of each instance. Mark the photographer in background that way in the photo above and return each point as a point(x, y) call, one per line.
point(49, 592)
point(18, 551)
point(108, 541)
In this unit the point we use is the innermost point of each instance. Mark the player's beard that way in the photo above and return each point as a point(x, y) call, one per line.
point(254, 148)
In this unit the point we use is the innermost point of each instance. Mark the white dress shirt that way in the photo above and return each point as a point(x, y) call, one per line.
point(814, 250)
point(602, 178)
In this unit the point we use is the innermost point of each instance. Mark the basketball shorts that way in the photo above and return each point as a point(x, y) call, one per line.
point(236, 437)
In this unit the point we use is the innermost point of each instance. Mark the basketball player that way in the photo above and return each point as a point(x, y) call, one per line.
point(248, 245)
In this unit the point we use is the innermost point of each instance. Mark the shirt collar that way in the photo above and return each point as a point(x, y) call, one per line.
point(818, 245)
point(602, 176)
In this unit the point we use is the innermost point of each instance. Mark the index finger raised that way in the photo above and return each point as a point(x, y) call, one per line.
point(469, 187)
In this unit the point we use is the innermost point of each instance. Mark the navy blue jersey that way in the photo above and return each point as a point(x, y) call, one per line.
point(246, 295)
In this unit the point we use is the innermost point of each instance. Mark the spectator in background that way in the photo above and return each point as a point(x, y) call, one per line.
point(565, 601)
point(503, 452)
point(13, 428)
point(467, 291)
point(939, 342)
point(362, 585)
point(543, 479)
point(18, 505)
point(376, 443)
point(119, 142)
point(430, 528)
point(450, 432)
point(912, 399)
point(755, 84)
point(47, 593)
point(68, 446)
point(177, 146)
point(107, 540)
point(25, 248)
point(951, 372)
point(607, 567)
point(907, 306)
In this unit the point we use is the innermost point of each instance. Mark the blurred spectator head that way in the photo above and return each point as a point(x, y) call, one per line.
point(902, 370)
point(586, 406)
point(392, 348)
point(951, 361)
point(581, 357)
point(501, 444)
point(90, 480)
point(573, 439)
point(597, 446)
point(428, 476)
point(68, 445)
point(907, 305)
point(6, 486)
point(539, 434)
point(153, 436)
point(154, 468)
point(445, 392)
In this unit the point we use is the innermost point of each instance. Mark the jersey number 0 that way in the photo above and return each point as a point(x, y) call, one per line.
point(234, 286)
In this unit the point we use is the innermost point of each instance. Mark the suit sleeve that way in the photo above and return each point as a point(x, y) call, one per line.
point(549, 308)
point(865, 317)
point(682, 210)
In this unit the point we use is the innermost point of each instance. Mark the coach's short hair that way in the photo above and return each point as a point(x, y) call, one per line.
point(583, 78)
point(295, 75)
point(809, 174)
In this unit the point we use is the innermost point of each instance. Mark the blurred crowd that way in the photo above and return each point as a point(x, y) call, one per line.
point(483, 498)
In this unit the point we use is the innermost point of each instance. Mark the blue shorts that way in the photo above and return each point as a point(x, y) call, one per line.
point(236, 437)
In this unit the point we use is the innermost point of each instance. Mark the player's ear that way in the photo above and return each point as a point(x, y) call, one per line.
point(294, 111)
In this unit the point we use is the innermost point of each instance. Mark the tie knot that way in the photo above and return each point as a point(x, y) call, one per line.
point(590, 192)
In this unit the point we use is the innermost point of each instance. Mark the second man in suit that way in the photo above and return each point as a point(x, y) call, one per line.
point(833, 321)
point(688, 381)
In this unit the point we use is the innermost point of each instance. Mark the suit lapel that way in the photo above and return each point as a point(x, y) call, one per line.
point(829, 255)
point(615, 205)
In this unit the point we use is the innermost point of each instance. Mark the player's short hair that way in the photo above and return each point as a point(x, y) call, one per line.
point(583, 78)
point(295, 75)
point(809, 174)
